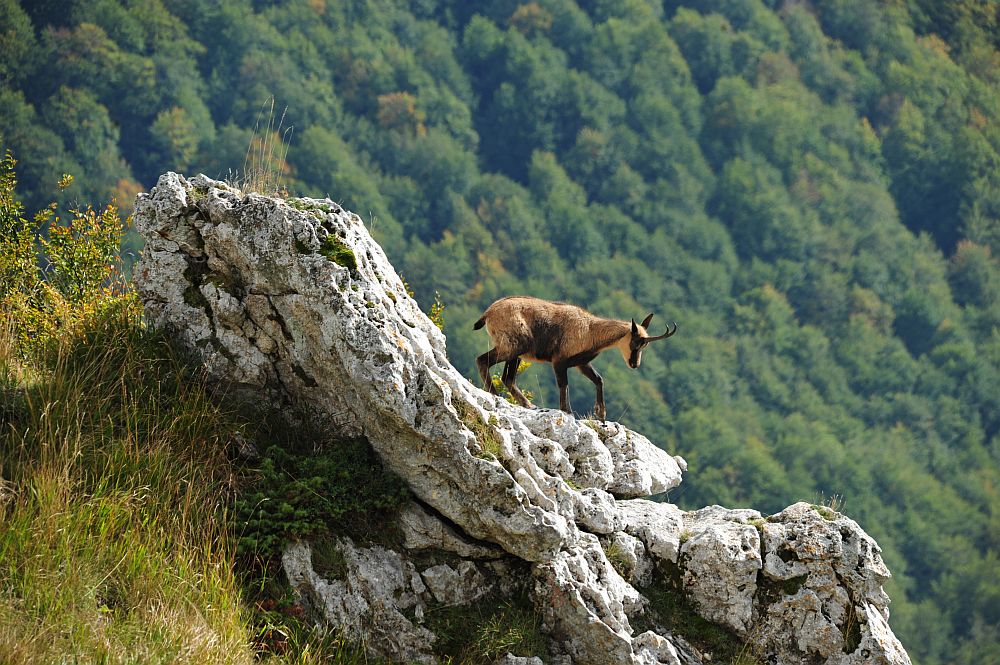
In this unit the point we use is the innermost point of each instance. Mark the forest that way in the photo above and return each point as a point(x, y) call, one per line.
point(809, 189)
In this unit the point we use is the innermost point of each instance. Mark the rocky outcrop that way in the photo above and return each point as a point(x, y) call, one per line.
point(295, 301)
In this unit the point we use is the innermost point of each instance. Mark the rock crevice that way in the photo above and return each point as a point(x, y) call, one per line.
point(296, 302)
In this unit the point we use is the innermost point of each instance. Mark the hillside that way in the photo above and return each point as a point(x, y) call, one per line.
point(811, 190)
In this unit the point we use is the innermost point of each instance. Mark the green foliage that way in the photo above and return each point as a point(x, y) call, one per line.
point(487, 630)
point(117, 520)
point(436, 313)
point(810, 190)
point(55, 274)
point(310, 494)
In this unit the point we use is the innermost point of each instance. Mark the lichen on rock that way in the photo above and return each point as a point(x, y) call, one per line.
point(294, 301)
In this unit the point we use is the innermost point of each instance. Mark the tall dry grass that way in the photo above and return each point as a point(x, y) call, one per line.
point(265, 166)
point(113, 538)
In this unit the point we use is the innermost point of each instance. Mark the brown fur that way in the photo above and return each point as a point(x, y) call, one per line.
point(546, 331)
point(558, 333)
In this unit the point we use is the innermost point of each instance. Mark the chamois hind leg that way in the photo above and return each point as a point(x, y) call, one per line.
point(484, 362)
point(510, 379)
point(563, 382)
point(588, 371)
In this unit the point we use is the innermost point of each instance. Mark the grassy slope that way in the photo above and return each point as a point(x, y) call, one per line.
point(109, 545)
point(116, 535)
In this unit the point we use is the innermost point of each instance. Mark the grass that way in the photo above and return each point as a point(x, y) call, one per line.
point(116, 469)
point(619, 559)
point(487, 630)
point(117, 527)
point(264, 164)
point(490, 444)
point(830, 508)
point(118, 488)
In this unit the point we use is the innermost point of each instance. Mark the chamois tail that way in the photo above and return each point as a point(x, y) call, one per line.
point(480, 323)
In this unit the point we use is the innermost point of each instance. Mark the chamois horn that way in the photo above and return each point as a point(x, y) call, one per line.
point(666, 334)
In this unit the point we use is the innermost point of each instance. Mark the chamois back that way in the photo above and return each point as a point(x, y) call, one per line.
point(547, 331)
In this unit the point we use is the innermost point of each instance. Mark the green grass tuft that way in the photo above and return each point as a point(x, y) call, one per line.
point(618, 559)
point(490, 443)
point(487, 630)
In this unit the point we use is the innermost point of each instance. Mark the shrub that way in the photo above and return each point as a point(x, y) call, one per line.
point(55, 273)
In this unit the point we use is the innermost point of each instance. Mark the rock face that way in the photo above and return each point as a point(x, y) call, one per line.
point(295, 301)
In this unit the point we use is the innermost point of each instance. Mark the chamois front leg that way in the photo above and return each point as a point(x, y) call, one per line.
point(588, 371)
point(484, 362)
point(510, 379)
point(563, 382)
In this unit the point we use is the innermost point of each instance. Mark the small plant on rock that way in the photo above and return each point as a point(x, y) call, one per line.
point(338, 487)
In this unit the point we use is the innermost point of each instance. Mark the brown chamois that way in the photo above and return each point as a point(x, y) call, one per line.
point(554, 332)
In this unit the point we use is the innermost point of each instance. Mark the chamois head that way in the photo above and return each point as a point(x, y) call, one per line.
point(639, 339)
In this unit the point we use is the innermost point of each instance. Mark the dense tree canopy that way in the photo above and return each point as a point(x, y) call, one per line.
point(811, 190)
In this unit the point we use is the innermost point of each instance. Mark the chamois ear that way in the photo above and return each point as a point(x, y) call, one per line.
point(645, 321)
point(635, 328)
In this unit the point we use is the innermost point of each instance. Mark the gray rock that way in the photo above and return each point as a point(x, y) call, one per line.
point(239, 278)
point(586, 604)
point(511, 659)
point(459, 585)
point(423, 531)
point(368, 600)
point(826, 576)
point(657, 525)
point(241, 281)
point(653, 649)
point(636, 566)
point(719, 563)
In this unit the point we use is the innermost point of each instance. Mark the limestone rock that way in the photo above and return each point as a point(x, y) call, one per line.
point(633, 561)
point(826, 576)
point(511, 659)
point(719, 561)
point(459, 585)
point(657, 525)
point(655, 650)
point(422, 531)
point(246, 283)
point(367, 600)
point(586, 608)
point(242, 280)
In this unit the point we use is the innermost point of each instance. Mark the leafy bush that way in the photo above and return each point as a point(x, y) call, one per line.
point(55, 273)
point(116, 486)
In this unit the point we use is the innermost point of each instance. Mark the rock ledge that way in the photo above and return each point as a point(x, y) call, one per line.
point(246, 283)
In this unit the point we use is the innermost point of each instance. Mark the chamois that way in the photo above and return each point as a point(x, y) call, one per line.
point(558, 333)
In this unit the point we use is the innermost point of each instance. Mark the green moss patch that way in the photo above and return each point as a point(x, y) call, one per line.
point(334, 249)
